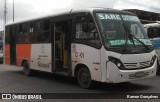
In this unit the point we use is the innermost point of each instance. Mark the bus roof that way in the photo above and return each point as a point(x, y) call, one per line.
point(74, 11)
point(152, 25)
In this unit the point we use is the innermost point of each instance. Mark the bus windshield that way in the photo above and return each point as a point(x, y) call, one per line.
point(116, 27)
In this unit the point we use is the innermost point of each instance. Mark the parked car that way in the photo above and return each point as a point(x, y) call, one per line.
point(1, 56)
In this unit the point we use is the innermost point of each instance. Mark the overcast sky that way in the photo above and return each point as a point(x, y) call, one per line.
point(26, 9)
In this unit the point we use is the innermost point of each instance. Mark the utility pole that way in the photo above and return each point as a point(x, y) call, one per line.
point(13, 10)
point(5, 12)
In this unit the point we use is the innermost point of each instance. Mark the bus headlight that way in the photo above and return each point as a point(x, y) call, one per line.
point(153, 60)
point(117, 62)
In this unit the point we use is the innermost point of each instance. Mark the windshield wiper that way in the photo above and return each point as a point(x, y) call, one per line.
point(131, 36)
point(127, 37)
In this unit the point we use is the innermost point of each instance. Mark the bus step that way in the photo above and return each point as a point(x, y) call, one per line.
point(64, 66)
point(62, 73)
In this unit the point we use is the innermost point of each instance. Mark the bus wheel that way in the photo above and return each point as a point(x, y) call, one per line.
point(26, 69)
point(84, 78)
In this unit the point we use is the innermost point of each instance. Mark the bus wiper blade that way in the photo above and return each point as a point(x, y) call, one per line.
point(126, 41)
point(127, 37)
point(132, 35)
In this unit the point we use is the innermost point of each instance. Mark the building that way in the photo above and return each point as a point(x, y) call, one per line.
point(145, 16)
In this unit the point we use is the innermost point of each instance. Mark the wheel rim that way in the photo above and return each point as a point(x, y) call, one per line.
point(26, 69)
point(84, 78)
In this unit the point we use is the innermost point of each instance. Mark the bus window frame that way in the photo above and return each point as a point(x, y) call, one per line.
point(84, 17)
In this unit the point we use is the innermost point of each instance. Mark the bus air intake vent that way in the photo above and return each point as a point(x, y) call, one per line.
point(137, 65)
point(138, 75)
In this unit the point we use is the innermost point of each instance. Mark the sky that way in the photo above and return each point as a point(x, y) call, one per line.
point(27, 9)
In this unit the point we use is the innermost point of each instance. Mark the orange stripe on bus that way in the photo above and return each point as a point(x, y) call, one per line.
point(23, 51)
point(7, 54)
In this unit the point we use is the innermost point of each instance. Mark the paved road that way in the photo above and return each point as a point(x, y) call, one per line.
point(12, 80)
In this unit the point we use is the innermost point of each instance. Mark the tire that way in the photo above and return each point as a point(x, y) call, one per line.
point(26, 70)
point(84, 78)
point(158, 69)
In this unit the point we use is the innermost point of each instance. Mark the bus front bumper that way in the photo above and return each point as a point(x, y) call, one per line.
point(114, 75)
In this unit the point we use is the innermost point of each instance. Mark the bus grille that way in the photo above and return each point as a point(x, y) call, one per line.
point(138, 75)
point(137, 65)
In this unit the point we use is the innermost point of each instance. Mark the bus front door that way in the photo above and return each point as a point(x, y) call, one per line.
point(61, 46)
point(58, 48)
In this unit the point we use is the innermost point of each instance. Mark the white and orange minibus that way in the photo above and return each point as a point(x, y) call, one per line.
point(92, 44)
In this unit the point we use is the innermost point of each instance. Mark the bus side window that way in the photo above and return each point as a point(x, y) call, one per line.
point(80, 34)
point(29, 34)
point(153, 32)
point(149, 32)
point(36, 31)
point(86, 32)
point(44, 35)
point(156, 32)
point(93, 31)
point(46, 31)
point(25, 33)
point(19, 35)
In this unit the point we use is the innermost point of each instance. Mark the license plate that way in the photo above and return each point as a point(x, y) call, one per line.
point(139, 74)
